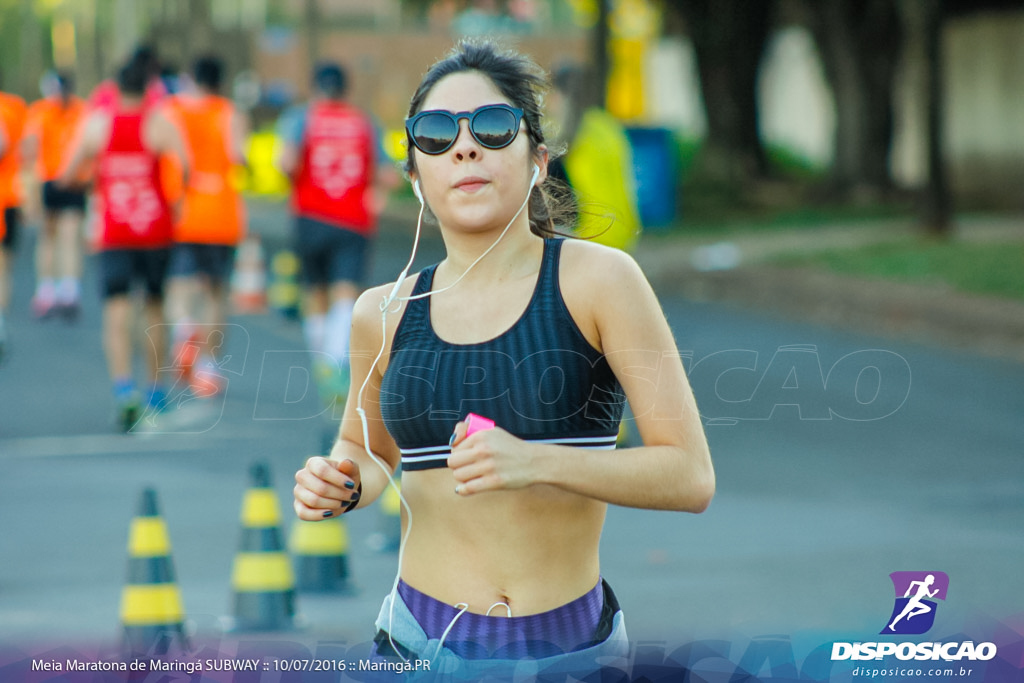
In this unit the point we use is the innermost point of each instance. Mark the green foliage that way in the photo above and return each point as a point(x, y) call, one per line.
point(790, 164)
point(790, 198)
point(991, 269)
point(10, 43)
point(686, 150)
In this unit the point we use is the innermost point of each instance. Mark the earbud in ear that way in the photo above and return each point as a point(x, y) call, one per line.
point(416, 190)
point(536, 174)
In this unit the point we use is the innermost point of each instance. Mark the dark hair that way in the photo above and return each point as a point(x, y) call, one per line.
point(132, 78)
point(65, 83)
point(329, 78)
point(146, 57)
point(524, 83)
point(208, 72)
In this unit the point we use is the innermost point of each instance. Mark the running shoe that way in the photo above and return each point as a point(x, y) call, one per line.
point(207, 379)
point(128, 413)
point(157, 399)
point(186, 354)
point(43, 307)
point(206, 382)
point(68, 311)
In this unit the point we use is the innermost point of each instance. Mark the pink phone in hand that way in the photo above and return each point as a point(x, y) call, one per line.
point(476, 423)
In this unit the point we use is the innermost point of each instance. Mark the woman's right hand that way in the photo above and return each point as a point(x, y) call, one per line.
point(326, 488)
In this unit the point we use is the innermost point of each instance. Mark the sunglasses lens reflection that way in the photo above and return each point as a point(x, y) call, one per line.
point(435, 133)
point(493, 127)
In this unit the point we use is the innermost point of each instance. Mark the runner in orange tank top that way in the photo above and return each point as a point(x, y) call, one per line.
point(12, 121)
point(13, 111)
point(4, 145)
point(211, 226)
point(53, 124)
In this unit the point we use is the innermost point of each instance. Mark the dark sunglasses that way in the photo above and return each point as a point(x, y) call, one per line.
point(493, 125)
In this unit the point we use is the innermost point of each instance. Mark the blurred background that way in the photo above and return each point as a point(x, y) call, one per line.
point(791, 113)
point(768, 103)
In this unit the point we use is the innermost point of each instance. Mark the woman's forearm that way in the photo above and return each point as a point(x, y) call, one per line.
point(650, 477)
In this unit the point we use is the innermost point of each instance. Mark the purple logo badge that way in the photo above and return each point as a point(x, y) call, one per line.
point(916, 592)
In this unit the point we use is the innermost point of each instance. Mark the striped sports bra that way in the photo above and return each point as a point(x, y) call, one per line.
point(540, 380)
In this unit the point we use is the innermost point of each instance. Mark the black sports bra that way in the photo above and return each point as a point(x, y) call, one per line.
point(540, 380)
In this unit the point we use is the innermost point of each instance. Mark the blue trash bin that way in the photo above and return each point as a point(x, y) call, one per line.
point(656, 174)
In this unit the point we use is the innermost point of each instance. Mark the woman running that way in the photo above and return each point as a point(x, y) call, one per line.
point(548, 338)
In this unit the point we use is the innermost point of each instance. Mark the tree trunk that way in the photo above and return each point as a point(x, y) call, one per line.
point(88, 69)
point(937, 207)
point(729, 37)
point(200, 35)
point(312, 21)
point(860, 41)
point(125, 36)
point(596, 94)
point(33, 59)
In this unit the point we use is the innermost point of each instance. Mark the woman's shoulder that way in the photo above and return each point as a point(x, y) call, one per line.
point(372, 303)
point(599, 284)
point(370, 299)
point(597, 266)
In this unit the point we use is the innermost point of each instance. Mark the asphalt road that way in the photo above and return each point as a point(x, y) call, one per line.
point(840, 459)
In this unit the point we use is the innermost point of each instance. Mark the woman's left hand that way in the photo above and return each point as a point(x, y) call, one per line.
point(490, 460)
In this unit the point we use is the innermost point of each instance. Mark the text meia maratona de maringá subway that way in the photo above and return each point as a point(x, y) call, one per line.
point(186, 666)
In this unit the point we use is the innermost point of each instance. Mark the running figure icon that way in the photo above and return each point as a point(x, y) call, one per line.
point(915, 606)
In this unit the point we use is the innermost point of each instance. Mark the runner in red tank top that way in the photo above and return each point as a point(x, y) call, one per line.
point(335, 174)
point(132, 205)
point(340, 179)
point(135, 231)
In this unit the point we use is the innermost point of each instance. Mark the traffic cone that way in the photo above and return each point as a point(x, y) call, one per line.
point(249, 279)
point(284, 292)
point(151, 608)
point(320, 550)
point(262, 577)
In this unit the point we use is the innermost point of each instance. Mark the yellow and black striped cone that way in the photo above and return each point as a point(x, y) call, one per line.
point(320, 551)
point(284, 292)
point(151, 609)
point(262, 578)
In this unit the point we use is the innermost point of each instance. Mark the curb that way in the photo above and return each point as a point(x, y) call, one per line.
point(984, 325)
point(740, 271)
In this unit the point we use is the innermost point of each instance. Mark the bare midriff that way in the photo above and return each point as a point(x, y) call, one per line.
point(532, 549)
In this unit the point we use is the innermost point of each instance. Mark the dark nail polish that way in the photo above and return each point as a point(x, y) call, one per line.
point(350, 484)
point(451, 441)
point(328, 513)
point(355, 497)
